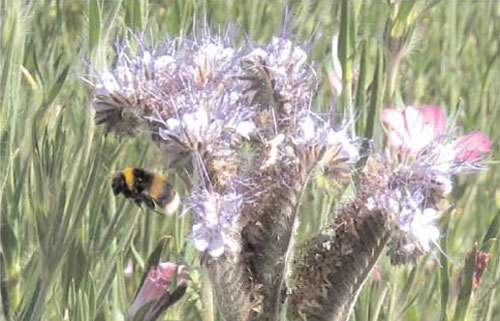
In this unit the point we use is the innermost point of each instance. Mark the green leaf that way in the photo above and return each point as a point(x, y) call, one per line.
point(361, 92)
point(492, 234)
point(4, 293)
point(10, 246)
point(407, 287)
point(443, 274)
point(465, 293)
point(31, 311)
point(94, 23)
point(404, 18)
point(91, 297)
point(346, 53)
point(120, 284)
point(57, 86)
point(380, 302)
point(105, 287)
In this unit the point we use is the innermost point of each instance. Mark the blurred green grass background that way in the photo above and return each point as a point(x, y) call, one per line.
point(65, 239)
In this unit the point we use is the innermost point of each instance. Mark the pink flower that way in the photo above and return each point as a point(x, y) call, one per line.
point(469, 147)
point(414, 128)
point(154, 291)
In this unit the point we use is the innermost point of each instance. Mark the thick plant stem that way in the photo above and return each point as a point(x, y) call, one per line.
point(393, 62)
point(334, 267)
point(207, 296)
point(230, 280)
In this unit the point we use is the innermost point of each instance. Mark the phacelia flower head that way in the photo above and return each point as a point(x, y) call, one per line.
point(415, 215)
point(279, 80)
point(154, 296)
point(313, 131)
point(124, 93)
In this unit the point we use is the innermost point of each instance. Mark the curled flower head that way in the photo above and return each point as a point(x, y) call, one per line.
point(208, 60)
point(277, 77)
point(333, 147)
point(416, 220)
point(154, 295)
point(123, 93)
point(216, 223)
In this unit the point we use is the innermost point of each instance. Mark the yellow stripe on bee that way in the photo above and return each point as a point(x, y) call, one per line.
point(157, 186)
point(129, 177)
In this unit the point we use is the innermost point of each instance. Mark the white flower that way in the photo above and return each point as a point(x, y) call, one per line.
point(216, 223)
point(423, 229)
point(308, 129)
point(207, 239)
point(255, 54)
point(107, 84)
point(272, 151)
point(162, 62)
point(246, 128)
point(371, 204)
point(349, 150)
point(196, 123)
point(208, 59)
point(287, 55)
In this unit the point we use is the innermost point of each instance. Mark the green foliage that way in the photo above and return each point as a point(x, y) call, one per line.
point(65, 239)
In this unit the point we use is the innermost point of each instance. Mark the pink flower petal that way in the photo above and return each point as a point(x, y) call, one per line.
point(158, 281)
point(414, 128)
point(434, 117)
point(167, 269)
point(417, 135)
point(395, 139)
point(469, 147)
point(394, 119)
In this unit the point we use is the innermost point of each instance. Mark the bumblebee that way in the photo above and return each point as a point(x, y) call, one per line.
point(145, 187)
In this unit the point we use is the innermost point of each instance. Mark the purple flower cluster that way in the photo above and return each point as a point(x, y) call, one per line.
point(221, 113)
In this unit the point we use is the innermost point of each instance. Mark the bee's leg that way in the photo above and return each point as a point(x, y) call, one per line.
point(148, 201)
point(138, 200)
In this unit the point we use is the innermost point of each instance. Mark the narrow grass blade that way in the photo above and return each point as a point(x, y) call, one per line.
point(94, 24)
point(491, 234)
point(465, 293)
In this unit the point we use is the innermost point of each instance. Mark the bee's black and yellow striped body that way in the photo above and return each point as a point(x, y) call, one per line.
point(145, 187)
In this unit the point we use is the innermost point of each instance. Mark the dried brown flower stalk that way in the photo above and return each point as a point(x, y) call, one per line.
point(268, 237)
point(334, 266)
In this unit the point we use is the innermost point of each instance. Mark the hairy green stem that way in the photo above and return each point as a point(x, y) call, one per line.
point(207, 296)
point(393, 62)
point(230, 280)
